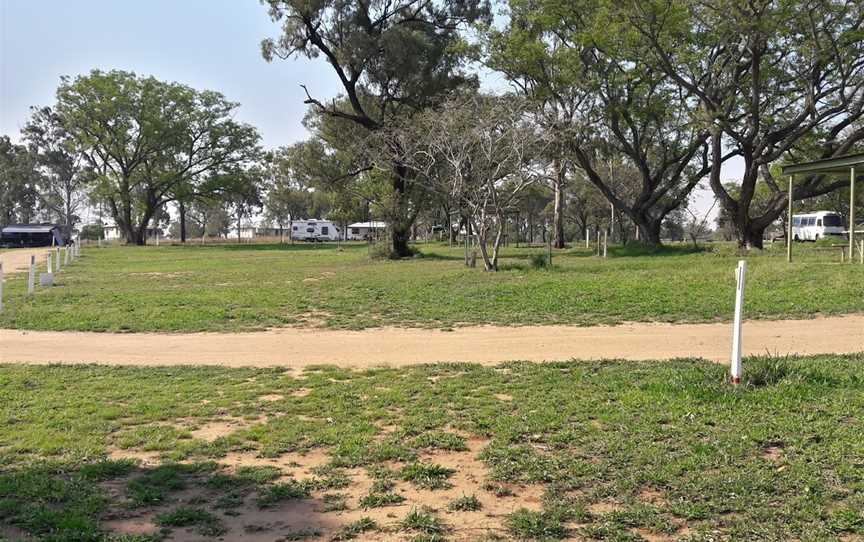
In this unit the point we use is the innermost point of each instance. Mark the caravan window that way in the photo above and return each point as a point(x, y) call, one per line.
point(325, 230)
point(833, 221)
point(310, 229)
point(355, 231)
point(295, 228)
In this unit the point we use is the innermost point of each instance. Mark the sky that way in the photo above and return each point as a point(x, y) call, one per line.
point(206, 44)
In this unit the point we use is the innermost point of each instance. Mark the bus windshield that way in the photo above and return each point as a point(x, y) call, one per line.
point(832, 221)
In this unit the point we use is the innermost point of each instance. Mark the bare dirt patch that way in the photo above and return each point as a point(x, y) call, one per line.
point(490, 345)
point(17, 260)
point(211, 431)
point(271, 397)
point(315, 520)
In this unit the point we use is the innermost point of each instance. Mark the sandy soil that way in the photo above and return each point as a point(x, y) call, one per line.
point(18, 259)
point(249, 523)
point(396, 346)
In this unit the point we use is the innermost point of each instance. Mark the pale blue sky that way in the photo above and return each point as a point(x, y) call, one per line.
point(212, 44)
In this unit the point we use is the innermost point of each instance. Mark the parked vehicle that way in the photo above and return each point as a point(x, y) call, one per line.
point(314, 231)
point(815, 226)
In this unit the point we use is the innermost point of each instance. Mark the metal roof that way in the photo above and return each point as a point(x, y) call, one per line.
point(368, 224)
point(838, 165)
point(30, 228)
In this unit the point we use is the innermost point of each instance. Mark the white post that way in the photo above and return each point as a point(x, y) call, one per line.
point(31, 277)
point(740, 275)
point(612, 222)
point(605, 243)
point(66, 255)
point(587, 235)
point(861, 251)
point(57, 261)
point(48, 263)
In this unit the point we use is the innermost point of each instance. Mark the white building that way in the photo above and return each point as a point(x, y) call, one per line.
point(363, 231)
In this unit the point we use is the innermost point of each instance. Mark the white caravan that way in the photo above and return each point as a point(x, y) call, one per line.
point(815, 226)
point(314, 230)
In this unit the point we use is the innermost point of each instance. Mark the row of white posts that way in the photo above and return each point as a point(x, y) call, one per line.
point(600, 249)
point(66, 255)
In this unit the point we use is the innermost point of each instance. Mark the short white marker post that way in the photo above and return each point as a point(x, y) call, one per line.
point(57, 261)
point(66, 255)
point(735, 369)
point(31, 277)
point(605, 242)
point(587, 234)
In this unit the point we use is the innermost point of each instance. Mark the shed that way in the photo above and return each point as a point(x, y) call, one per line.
point(32, 235)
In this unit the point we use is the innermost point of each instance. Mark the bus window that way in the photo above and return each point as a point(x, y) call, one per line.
point(796, 221)
point(833, 221)
point(819, 222)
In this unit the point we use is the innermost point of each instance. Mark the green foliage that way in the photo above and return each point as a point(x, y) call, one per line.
point(356, 528)
point(283, 491)
point(173, 126)
point(465, 503)
point(424, 521)
point(527, 524)
point(426, 475)
point(203, 521)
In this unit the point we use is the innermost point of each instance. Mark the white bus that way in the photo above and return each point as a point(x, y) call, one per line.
point(314, 230)
point(815, 226)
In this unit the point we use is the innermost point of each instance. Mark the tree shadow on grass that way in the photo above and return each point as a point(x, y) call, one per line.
point(104, 499)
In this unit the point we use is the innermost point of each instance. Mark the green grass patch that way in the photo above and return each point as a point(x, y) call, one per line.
point(615, 448)
point(249, 287)
point(426, 475)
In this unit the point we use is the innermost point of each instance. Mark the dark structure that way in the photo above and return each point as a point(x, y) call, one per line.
point(32, 235)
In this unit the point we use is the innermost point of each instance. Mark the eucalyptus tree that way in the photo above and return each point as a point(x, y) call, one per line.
point(772, 78)
point(392, 58)
point(65, 175)
point(151, 143)
point(602, 104)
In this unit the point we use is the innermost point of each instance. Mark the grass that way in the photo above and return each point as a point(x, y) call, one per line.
point(615, 448)
point(249, 287)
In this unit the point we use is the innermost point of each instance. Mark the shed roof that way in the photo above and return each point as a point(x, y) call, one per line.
point(30, 228)
point(838, 165)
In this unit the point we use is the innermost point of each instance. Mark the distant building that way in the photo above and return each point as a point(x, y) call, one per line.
point(33, 235)
point(363, 231)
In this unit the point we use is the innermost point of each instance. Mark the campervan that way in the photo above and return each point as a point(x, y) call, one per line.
point(314, 230)
point(815, 226)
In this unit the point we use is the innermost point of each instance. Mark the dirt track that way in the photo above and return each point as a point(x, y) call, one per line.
point(392, 346)
point(18, 259)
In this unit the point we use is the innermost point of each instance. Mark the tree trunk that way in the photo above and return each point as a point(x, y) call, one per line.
point(558, 215)
point(649, 231)
point(182, 211)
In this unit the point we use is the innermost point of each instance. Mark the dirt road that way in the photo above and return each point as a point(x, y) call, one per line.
point(18, 259)
point(392, 346)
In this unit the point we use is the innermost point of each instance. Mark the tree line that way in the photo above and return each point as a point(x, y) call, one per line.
point(618, 110)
